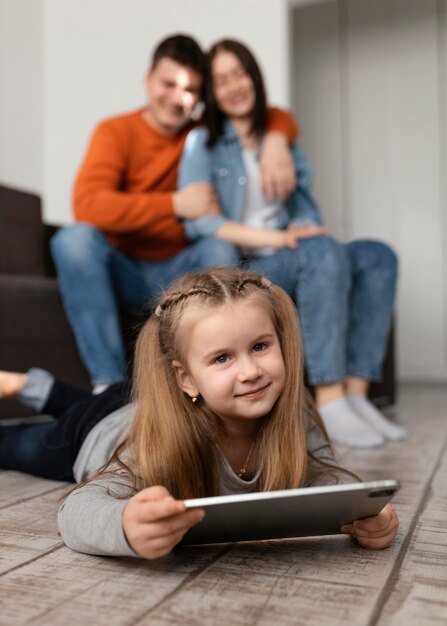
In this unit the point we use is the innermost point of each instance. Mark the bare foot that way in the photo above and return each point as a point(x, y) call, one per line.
point(11, 383)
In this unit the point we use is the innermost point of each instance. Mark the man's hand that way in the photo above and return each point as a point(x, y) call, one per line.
point(154, 522)
point(278, 177)
point(196, 200)
point(375, 532)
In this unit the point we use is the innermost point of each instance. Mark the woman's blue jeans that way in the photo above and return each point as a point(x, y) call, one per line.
point(345, 297)
point(95, 278)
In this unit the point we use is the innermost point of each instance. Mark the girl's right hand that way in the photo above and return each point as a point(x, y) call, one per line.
point(154, 522)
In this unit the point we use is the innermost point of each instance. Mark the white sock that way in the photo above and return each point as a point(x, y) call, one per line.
point(344, 426)
point(97, 389)
point(375, 419)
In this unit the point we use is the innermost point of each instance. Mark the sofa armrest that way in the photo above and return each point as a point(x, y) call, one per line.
point(384, 393)
point(22, 239)
point(49, 231)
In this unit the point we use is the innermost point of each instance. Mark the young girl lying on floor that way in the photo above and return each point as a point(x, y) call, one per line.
point(219, 408)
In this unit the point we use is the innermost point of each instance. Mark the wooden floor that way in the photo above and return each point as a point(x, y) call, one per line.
point(324, 581)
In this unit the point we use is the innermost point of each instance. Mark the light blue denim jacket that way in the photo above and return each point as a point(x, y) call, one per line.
point(222, 166)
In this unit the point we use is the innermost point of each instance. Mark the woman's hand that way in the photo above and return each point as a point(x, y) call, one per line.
point(278, 178)
point(290, 237)
point(251, 237)
point(375, 532)
point(154, 522)
point(306, 231)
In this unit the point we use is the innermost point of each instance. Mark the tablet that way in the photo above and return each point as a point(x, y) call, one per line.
point(288, 513)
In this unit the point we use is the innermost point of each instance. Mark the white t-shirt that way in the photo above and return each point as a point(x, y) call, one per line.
point(258, 211)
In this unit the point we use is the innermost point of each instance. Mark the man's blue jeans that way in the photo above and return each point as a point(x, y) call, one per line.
point(94, 277)
point(345, 297)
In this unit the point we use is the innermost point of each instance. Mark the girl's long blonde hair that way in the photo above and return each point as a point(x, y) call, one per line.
point(172, 441)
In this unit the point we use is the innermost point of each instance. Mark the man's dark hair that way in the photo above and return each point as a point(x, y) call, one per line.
point(214, 118)
point(182, 49)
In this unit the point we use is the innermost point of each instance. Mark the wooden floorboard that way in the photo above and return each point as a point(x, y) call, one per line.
point(28, 528)
point(16, 487)
point(419, 592)
point(324, 581)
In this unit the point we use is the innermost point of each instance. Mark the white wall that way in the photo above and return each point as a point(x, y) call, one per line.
point(370, 93)
point(84, 60)
point(21, 94)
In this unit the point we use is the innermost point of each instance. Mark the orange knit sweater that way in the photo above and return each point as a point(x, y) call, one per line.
point(125, 184)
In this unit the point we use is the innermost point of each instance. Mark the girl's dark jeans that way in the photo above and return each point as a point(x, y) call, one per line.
point(49, 450)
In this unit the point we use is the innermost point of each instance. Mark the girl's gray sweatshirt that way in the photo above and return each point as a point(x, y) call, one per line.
point(90, 517)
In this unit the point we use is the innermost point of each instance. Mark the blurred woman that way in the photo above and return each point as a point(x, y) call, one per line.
point(344, 292)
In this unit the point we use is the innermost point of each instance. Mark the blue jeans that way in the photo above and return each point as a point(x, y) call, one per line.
point(95, 277)
point(345, 297)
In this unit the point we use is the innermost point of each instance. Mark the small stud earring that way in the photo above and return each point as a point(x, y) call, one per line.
point(194, 398)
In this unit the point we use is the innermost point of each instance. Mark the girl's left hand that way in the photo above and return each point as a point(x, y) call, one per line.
point(375, 532)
